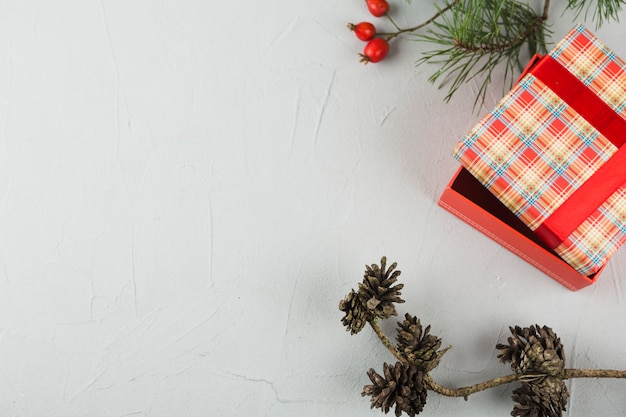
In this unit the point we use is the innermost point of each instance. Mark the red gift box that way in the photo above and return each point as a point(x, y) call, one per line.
point(552, 153)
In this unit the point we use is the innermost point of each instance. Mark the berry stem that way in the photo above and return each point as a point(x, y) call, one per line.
point(391, 35)
point(393, 22)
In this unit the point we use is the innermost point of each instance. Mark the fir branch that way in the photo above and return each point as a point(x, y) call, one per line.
point(478, 37)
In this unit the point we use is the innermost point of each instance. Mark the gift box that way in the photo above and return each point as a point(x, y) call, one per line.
point(551, 152)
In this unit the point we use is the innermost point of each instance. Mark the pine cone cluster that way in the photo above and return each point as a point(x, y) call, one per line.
point(375, 297)
point(402, 385)
point(533, 349)
point(417, 345)
point(544, 398)
point(536, 351)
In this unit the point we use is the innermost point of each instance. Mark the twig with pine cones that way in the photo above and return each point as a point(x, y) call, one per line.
point(535, 353)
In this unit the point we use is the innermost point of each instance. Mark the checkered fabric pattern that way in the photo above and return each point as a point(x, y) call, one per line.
point(533, 150)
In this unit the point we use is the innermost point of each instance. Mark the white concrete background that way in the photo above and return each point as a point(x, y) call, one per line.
point(188, 188)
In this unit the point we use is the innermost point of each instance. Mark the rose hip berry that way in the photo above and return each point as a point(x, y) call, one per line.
point(378, 8)
point(364, 30)
point(375, 51)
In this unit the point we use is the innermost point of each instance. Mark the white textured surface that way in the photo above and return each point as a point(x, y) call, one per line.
point(187, 189)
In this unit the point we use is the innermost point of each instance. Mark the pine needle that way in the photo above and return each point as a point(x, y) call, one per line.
point(603, 11)
point(477, 36)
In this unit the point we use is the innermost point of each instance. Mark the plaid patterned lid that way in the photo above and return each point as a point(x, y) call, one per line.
point(533, 150)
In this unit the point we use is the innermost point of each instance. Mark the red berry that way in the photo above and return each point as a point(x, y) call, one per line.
point(375, 51)
point(364, 30)
point(378, 7)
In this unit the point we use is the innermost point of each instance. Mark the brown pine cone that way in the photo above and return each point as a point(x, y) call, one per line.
point(544, 398)
point(402, 385)
point(377, 291)
point(356, 314)
point(417, 345)
point(533, 349)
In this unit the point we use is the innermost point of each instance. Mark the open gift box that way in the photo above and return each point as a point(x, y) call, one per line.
point(544, 172)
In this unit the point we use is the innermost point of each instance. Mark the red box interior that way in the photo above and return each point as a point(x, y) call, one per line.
point(469, 200)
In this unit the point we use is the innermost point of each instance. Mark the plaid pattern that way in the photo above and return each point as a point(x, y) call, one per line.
point(533, 150)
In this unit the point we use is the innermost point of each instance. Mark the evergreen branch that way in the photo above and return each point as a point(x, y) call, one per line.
point(478, 37)
point(513, 42)
point(546, 9)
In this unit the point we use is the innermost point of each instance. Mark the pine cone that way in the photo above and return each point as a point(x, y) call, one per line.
point(545, 398)
point(533, 349)
point(402, 385)
point(356, 314)
point(417, 345)
point(376, 290)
